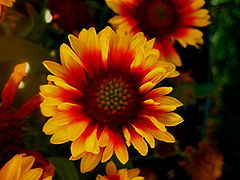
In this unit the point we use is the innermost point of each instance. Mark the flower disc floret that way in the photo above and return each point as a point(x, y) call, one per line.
point(113, 96)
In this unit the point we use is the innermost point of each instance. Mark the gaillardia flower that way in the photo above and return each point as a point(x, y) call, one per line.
point(165, 20)
point(103, 94)
point(20, 168)
point(10, 118)
point(122, 174)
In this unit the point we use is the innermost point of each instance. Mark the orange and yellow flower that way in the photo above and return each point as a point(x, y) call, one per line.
point(20, 168)
point(165, 20)
point(122, 174)
point(103, 95)
point(10, 118)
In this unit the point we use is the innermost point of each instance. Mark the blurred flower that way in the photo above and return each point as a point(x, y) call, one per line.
point(18, 21)
point(165, 20)
point(70, 15)
point(11, 134)
point(185, 77)
point(149, 174)
point(185, 88)
point(204, 163)
point(122, 174)
point(8, 3)
point(19, 167)
point(103, 92)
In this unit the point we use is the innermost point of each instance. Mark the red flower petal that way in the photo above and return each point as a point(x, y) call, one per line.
point(10, 88)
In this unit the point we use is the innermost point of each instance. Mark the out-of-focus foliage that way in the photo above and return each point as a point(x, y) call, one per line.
point(64, 168)
point(224, 50)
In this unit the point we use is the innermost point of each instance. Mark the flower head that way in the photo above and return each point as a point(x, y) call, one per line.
point(20, 167)
point(165, 20)
point(10, 119)
point(103, 95)
point(122, 174)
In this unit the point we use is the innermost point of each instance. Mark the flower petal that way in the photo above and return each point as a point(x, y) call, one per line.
point(120, 149)
point(158, 92)
point(170, 119)
point(68, 58)
point(33, 174)
point(28, 107)
point(77, 147)
point(123, 174)
point(27, 163)
point(163, 136)
point(146, 87)
point(50, 127)
point(108, 152)
point(114, 5)
point(133, 173)
point(76, 129)
point(55, 68)
point(12, 169)
point(59, 137)
point(91, 143)
point(158, 124)
point(89, 161)
point(168, 53)
point(104, 138)
point(139, 144)
point(127, 136)
point(111, 168)
point(10, 88)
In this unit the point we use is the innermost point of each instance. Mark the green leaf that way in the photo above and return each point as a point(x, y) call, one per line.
point(64, 168)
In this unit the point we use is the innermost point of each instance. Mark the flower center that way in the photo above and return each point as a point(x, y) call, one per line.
point(114, 95)
point(159, 18)
point(112, 101)
point(163, 14)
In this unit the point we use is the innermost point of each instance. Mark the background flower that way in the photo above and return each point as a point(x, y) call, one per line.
point(20, 167)
point(164, 20)
point(11, 133)
point(70, 15)
point(122, 174)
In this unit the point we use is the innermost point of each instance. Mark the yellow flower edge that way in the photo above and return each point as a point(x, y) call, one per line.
point(20, 168)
